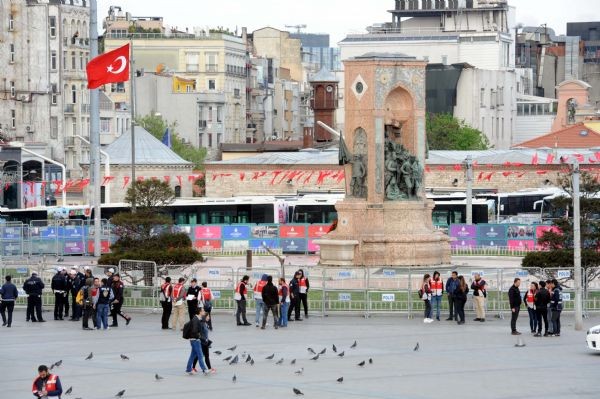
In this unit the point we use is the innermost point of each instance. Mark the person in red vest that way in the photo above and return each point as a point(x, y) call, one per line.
point(259, 304)
point(179, 305)
point(46, 384)
point(437, 289)
point(207, 300)
point(240, 298)
point(304, 287)
point(530, 303)
point(166, 301)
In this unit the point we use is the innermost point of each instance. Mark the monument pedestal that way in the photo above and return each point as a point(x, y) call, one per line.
point(392, 233)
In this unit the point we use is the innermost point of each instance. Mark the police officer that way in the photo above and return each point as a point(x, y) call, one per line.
point(33, 287)
point(76, 281)
point(60, 289)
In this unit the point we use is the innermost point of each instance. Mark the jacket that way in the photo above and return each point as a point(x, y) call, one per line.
point(197, 332)
point(33, 286)
point(52, 384)
point(460, 295)
point(118, 290)
point(59, 282)
point(75, 284)
point(270, 295)
point(426, 291)
point(9, 292)
point(514, 297)
point(556, 303)
point(193, 291)
point(542, 299)
point(294, 287)
point(451, 285)
point(105, 295)
point(478, 288)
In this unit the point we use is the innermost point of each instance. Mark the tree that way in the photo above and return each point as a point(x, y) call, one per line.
point(445, 132)
point(150, 194)
point(157, 126)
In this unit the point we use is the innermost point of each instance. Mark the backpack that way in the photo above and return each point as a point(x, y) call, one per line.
point(420, 294)
point(79, 297)
point(187, 330)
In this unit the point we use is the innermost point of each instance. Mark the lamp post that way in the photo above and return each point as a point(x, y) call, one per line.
point(577, 248)
point(106, 166)
point(469, 176)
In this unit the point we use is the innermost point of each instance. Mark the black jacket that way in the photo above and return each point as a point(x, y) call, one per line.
point(33, 285)
point(556, 300)
point(542, 299)
point(294, 287)
point(75, 284)
point(59, 282)
point(270, 295)
point(459, 295)
point(197, 330)
point(514, 297)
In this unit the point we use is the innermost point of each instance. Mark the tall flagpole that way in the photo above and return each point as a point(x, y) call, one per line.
point(95, 134)
point(132, 98)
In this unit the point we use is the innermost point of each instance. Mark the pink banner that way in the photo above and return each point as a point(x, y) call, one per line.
point(312, 247)
point(521, 244)
point(207, 232)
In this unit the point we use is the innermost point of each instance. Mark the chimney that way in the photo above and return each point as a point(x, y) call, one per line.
point(307, 141)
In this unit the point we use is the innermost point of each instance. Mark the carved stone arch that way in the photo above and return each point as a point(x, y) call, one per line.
point(399, 108)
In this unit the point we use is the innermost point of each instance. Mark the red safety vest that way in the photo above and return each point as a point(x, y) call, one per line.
point(238, 291)
point(280, 292)
point(38, 385)
point(530, 296)
point(258, 289)
point(207, 294)
point(437, 287)
point(166, 289)
point(177, 290)
point(302, 284)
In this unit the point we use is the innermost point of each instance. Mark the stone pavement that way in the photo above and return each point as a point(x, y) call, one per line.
point(477, 360)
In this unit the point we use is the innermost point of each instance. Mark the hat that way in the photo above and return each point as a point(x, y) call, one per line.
point(72, 271)
point(34, 273)
point(74, 267)
point(86, 268)
point(111, 270)
point(62, 269)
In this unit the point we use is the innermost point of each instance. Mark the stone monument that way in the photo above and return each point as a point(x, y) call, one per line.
point(385, 218)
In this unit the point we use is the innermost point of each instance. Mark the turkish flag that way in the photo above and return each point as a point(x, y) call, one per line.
point(111, 67)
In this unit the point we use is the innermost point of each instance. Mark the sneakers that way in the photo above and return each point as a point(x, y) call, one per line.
point(128, 321)
point(213, 370)
point(537, 335)
point(427, 320)
point(247, 324)
point(515, 333)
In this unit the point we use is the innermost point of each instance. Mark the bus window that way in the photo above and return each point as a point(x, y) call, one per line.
point(180, 218)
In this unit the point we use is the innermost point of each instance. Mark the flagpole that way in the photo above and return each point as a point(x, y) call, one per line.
point(95, 134)
point(132, 99)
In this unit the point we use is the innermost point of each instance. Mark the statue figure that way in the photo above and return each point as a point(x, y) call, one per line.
point(417, 176)
point(359, 174)
point(405, 170)
point(392, 191)
point(571, 108)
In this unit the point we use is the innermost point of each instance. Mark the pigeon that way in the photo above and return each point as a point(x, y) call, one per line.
point(293, 362)
point(234, 379)
point(124, 357)
point(280, 361)
point(270, 357)
point(232, 348)
point(248, 359)
point(235, 360)
point(158, 377)
point(299, 371)
point(315, 358)
point(323, 351)
point(297, 391)
point(311, 350)
point(361, 364)
point(341, 354)
point(68, 391)
point(228, 358)
point(91, 355)
point(370, 361)
point(340, 380)
point(354, 345)
point(57, 364)
point(120, 394)
point(520, 343)
point(416, 347)
point(334, 348)
point(217, 352)
point(252, 362)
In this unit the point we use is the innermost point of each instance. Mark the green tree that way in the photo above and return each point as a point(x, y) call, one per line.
point(150, 194)
point(156, 125)
point(445, 132)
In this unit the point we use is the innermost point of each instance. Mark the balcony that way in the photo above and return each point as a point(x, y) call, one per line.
point(212, 68)
point(69, 141)
point(173, 36)
point(69, 108)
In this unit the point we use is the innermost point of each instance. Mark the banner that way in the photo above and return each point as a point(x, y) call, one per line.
point(291, 231)
point(463, 231)
point(207, 232)
point(236, 232)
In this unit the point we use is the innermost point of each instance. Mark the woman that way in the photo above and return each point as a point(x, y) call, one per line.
point(204, 342)
point(192, 298)
point(425, 293)
point(530, 302)
point(460, 298)
point(207, 299)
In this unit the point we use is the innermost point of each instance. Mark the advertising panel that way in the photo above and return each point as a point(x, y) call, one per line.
point(269, 242)
point(463, 231)
point(312, 247)
point(521, 244)
point(207, 232)
point(492, 243)
point(73, 247)
point(265, 231)
point(236, 232)
point(11, 233)
point(207, 245)
point(72, 232)
point(464, 243)
point(517, 232)
point(293, 245)
point(318, 231)
point(292, 231)
point(11, 249)
point(491, 231)
point(104, 247)
point(236, 244)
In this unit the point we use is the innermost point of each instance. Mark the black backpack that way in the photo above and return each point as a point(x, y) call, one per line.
point(187, 330)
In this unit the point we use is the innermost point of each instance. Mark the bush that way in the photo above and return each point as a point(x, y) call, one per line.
point(560, 258)
point(175, 256)
point(163, 242)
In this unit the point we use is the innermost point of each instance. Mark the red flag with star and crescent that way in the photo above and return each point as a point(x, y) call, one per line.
point(111, 67)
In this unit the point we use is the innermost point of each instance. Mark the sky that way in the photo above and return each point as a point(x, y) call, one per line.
point(336, 17)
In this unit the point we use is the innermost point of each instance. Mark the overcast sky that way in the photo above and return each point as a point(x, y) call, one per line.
point(336, 17)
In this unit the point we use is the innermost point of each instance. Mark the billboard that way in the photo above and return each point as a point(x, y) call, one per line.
point(207, 245)
point(236, 232)
point(491, 231)
point(207, 232)
point(463, 231)
point(464, 243)
point(265, 231)
point(521, 244)
point(287, 231)
point(73, 247)
point(293, 245)
point(318, 231)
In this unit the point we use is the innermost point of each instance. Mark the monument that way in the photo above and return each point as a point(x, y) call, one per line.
point(385, 218)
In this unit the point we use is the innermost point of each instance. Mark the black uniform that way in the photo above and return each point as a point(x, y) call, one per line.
point(33, 287)
point(118, 290)
point(193, 304)
point(514, 298)
point(60, 288)
point(294, 299)
point(75, 284)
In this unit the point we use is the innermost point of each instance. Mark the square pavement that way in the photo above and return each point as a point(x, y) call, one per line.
point(477, 360)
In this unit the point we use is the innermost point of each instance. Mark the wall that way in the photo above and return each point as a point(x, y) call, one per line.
point(273, 43)
point(591, 75)
point(530, 127)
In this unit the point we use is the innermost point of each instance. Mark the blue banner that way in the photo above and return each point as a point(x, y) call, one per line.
point(72, 232)
point(491, 231)
point(236, 232)
point(11, 233)
point(269, 242)
point(291, 245)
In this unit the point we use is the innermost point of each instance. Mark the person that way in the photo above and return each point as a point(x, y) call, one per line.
point(9, 294)
point(514, 299)
point(451, 286)
point(425, 294)
point(87, 271)
point(270, 298)
point(46, 384)
point(258, 287)
point(479, 294)
point(304, 287)
point(460, 298)
point(195, 338)
point(118, 291)
point(178, 304)
point(542, 299)
point(59, 288)
point(204, 343)
point(33, 287)
point(88, 305)
point(437, 289)
point(556, 306)
point(102, 303)
point(192, 298)
point(207, 300)
point(284, 301)
point(166, 298)
point(294, 298)
point(75, 283)
point(549, 312)
point(240, 300)
point(530, 304)
point(110, 275)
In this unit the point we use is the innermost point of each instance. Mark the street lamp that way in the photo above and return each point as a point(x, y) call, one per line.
point(106, 166)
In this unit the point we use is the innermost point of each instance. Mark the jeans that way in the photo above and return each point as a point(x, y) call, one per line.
point(7, 306)
point(533, 319)
point(513, 319)
point(436, 303)
point(206, 353)
point(102, 315)
point(542, 314)
point(283, 317)
point(459, 306)
point(167, 307)
point(76, 313)
point(273, 309)
point(241, 311)
point(555, 321)
point(549, 316)
point(196, 352)
point(427, 309)
point(259, 310)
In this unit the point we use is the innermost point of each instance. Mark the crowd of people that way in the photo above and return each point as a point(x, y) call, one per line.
point(543, 301)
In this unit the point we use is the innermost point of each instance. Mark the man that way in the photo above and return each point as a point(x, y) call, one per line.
point(207, 300)
point(178, 304)
point(549, 312)
point(33, 287)
point(437, 289)
point(75, 283)
point(9, 294)
point(294, 298)
point(192, 298)
point(556, 307)
point(515, 301)
point(87, 273)
point(118, 291)
point(46, 384)
point(451, 286)
point(110, 275)
point(88, 304)
point(284, 301)
point(271, 301)
point(479, 294)
point(304, 287)
point(166, 301)
point(542, 299)
point(103, 300)
point(59, 288)
point(240, 300)
point(258, 298)
point(196, 336)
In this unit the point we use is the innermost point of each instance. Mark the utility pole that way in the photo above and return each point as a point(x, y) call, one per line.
point(469, 178)
point(132, 97)
point(577, 249)
point(95, 134)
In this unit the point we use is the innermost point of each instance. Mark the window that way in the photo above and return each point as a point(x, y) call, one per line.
point(81, 64)
point(210, 139)
point(191, 62)
point(445, 59)
point(482, 98)
point(12, 53)
point(13, 118)
point(218, 139)
point(53, 127)
point(104, 125)
point(74, 127)
point(492, 98)
point(502, 128)
point(201, 140)
point(210, 114)
point(13, 91)
point(212, 84)
point(73, 61)
point(73, 94)
point(54, 96)
point(52, 26)
point(102, 194)
point(236, 92)
point(220, 113)
point(53, 60)
point(177, 191)
point(211, 62)
point(501, 96)
point(64, 60)
point(11, 22)
point(482, 123)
